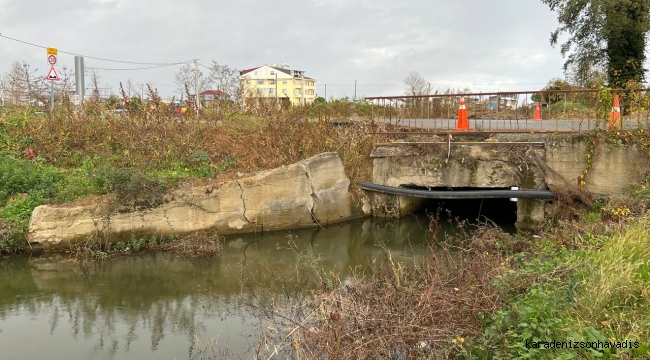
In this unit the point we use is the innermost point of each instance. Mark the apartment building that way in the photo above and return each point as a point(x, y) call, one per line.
point(278, 83)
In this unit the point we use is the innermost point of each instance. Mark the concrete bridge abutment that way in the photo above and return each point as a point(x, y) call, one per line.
point(528, 161)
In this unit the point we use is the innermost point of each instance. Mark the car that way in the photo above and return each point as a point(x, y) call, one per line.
point(179, 107)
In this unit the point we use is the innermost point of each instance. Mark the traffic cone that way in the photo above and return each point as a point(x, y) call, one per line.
point(538, 113)
point(615, 116)
point(463, 121)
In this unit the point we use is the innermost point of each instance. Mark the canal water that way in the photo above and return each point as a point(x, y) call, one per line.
point(161, 305)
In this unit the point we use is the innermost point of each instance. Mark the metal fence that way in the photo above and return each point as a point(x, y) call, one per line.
point(560, 111)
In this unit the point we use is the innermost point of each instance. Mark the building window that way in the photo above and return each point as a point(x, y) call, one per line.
point(284, 91)
point(272, 72)
point(272, 82)
point(296, 91)
point(260, 82)
point(271, 91)
point(284, 82)
point(260, 91)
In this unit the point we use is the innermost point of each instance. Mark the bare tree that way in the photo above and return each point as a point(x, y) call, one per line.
point(225, 78)
point(185, 80)
point(22, 84)
point(130, 89)
point(416, 84)
point(66, 85)
point(94, 82)
point(14, 82)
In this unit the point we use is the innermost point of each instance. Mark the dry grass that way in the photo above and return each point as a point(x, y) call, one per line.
point(198, 244)
point(399, 312)
point(153, 137)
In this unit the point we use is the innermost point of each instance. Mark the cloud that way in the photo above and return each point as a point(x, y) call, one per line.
point(375, 42)
point(374, 57)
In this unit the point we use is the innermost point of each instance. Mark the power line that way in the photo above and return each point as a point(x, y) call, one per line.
point(128, 69)
point(93, 57)
point(209, 68)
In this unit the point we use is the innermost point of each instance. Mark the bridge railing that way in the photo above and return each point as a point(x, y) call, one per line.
point(504, 112)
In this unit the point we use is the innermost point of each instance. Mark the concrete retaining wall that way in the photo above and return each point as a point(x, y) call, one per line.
point(310, 193)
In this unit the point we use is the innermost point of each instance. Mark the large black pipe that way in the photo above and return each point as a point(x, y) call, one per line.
point(463, 194)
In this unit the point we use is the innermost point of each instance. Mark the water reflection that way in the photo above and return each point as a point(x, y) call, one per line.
point(155, 305)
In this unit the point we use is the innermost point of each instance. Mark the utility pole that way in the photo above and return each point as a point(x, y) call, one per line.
point(141, 91)
point(302, 88)
point(276, 88)
point(355, 90)
point(80, 78)
point(325, 92)
point(196, 83)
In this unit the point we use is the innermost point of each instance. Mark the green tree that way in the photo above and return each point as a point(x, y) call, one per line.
point(609, 34)
point(553, 84)
point(113, 102)
point(135, 104)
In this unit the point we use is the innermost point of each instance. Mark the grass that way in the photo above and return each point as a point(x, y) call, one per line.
point(613, 294)
point(583, 281)
point(149, 150)
point(560, 106)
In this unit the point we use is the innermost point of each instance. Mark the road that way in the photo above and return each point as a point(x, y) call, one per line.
point(509, 125)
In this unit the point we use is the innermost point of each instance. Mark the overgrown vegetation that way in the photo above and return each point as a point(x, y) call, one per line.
point(490, 295)
point(148, 148)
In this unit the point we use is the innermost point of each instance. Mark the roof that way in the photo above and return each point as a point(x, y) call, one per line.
point(286, 71)
point(214, 92)
point(246, 71)
point(280, 69)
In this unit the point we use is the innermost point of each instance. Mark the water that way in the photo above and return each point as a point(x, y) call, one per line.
point(155, 305)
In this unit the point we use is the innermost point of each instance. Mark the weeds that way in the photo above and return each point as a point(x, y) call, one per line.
point(397, 311)
point(486, 296)
point(146, 150)
point(97, 248)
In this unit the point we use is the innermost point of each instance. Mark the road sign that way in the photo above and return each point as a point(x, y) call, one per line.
point(52, 51)
point(52, 75)
point(51, 59)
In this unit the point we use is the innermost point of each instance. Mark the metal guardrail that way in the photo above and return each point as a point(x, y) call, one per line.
point(563, 111)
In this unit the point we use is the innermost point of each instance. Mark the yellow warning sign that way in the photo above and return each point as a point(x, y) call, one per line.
point(52, 51)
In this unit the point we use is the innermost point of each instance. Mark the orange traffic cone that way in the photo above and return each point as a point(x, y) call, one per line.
point(538, 113)
point(463, 121)
point(615, 116)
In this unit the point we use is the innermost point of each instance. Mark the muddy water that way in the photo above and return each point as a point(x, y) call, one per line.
point(158, 305)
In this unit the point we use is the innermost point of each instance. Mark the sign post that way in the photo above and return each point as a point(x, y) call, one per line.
point(52, 76)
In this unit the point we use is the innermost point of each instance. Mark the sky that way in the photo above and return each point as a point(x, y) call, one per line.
point(496, 45)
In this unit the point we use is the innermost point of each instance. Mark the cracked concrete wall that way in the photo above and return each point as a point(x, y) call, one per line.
point(533, 162)
point(310, 193)
point(614, 166)
point(488, 165)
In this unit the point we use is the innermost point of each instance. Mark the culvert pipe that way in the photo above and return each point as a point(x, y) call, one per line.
point(461, 194)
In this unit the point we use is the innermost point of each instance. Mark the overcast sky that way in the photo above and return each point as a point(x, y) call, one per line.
point(486, 45)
